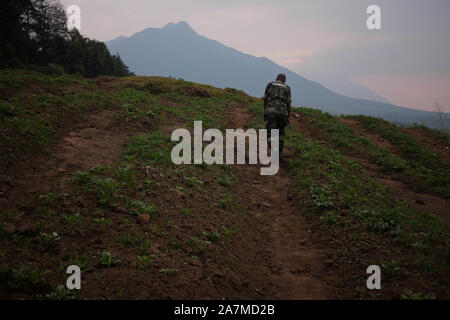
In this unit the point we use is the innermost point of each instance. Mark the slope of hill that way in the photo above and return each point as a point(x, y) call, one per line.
point(88, 180)
point(177, 50)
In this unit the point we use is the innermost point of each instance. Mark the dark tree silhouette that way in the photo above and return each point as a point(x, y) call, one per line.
point(35, 35)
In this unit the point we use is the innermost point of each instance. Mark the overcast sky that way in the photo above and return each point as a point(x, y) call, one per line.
point(407, 61)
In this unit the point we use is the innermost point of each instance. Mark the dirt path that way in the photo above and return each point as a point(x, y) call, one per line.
point(93, 141)
point(298, 264)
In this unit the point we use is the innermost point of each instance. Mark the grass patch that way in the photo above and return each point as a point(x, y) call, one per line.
point(340, 193)
point(24, 278)
point(421, 169)
point(153, 149)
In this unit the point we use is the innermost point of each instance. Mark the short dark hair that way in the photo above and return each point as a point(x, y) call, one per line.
point(281, 77)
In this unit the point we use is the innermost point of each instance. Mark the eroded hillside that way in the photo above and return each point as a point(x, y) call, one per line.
point(87, 180)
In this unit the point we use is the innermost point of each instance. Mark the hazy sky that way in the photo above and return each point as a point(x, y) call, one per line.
point(407, 61)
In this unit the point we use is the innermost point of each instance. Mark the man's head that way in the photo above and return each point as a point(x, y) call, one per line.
point(281, 77)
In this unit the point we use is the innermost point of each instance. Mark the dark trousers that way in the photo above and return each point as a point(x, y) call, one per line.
point(276, 122)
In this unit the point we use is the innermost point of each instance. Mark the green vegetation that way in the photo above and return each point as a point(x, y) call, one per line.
point(102, 222)
point(341, 193)
point(79, 261)
point(50, 241)
point(24, 278)
point(421, 169)
point(168, 271)
point(107, 259)
point(212, 236)
point(151, 148)
point(30, 120)
point(106, 189)
point(229, 231)
point(97, 218)
point(160, 99)
point(72, 220)
point(437, 135)
point(196, 245)
point(144, 262)
point(411, 295)
point(36, 36)
point(62, 293)
point(350, 206)
point(422, 165)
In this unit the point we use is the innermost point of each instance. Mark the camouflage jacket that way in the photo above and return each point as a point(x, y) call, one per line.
point(277, 99)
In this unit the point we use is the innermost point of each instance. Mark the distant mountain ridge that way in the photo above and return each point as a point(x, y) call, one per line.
point(347, 87)
point(176, 50)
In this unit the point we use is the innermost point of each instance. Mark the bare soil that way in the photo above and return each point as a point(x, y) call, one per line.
point(299, 266)
point(92, 141)
point(271, 256)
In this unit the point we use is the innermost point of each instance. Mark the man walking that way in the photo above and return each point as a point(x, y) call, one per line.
point(277, 107)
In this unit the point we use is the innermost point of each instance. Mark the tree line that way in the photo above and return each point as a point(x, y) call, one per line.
point(34, 34)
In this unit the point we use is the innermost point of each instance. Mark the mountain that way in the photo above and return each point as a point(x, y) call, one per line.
point(347, 87)
point(115, 40)
point(176, 50)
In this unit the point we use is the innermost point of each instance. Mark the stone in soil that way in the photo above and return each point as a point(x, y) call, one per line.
point(143, 219)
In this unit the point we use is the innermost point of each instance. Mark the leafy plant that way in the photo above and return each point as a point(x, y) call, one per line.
point(168, 271)
point(141, 207)
point(391, 267)
point(24, 277)
point(330, 217)
point(50, 241)
point(322, 195)
point(411, 295)
point(107, 259)
point(102, 222)
point(224, 181)
point(212, 236)
point(197, 245)
point(61, 293)
point(72, 220)
point(145, 259)
point(229, 231)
